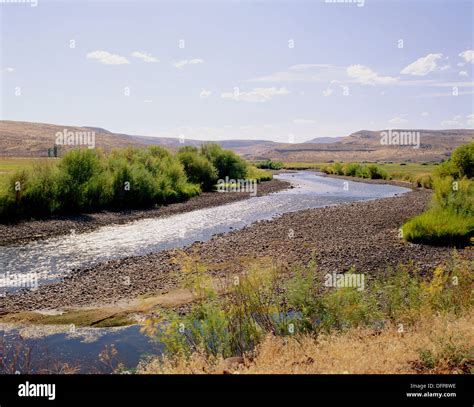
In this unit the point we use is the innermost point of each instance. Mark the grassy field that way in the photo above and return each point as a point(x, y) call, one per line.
point(9, 165)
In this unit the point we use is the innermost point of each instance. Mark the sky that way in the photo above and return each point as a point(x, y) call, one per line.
point(285, 71)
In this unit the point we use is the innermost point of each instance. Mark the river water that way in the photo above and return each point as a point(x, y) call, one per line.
point(44, 261)
point(48, 260)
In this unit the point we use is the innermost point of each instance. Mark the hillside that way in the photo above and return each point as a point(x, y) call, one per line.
point(435, 145)
point(25, 139)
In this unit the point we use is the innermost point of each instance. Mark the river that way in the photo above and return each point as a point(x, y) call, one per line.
point(44, 261)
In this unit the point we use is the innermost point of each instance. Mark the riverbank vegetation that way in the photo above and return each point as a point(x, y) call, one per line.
point(269, 165)
point(450, 218)
point(370, 171)
point(418, 174)
point(86, 180)
point(272, 321)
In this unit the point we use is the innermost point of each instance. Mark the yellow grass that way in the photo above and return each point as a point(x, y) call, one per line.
point(358, 351)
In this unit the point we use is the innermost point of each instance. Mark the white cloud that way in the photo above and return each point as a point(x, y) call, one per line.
point(9, 69)
point(304, 67)
point(305, 73)
point(107, 58)
point(256, 95)
point(185, 62)
point(443, 94)
point(458, 121)
point(425, 114)
point(144, 56)
point(366, 76)
point(398, 120)
point(470, 119)
point(328, 92)
point(450, 123)
point(422, 66)
point(463, 73)
point(304, 121)
point(444, 67)
point(461, 64)
point(467, 55)
point(205, 94)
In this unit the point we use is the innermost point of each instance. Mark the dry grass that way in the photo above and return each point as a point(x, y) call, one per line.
point(357, 351)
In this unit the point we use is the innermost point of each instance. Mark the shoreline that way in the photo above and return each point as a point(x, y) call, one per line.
point(30, 230)
point(362, 234)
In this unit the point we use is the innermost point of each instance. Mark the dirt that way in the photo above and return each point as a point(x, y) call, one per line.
point(363, 235)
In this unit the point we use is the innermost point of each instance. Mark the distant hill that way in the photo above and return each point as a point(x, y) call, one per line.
point(364, 145)
point(25, 139)
point(243, 147)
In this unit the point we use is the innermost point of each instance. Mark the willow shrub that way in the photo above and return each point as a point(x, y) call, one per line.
point(86, 180)
point(371, 171)
point(199, 169)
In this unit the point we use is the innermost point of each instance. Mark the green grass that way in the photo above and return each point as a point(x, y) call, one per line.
point(449, 220)
point(421, 175)
point(258, 174)
point(439, 227)
point(12, 164)
point(408, 168)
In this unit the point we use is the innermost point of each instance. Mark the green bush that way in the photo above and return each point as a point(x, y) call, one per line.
point(376, 172)
point(371, 171)
point(86, 180)
point(199, 169)
point(270, 301)
point(456, 196)
point(439, 227)
point(258, 174)
point(270, 165)
point(337, 169)
point(351, 169)
point(226, 162)
point(460, 164)
point(449, 220)
point(424, 181)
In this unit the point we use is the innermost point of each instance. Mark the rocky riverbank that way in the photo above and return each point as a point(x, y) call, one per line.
point(29, 230)
point(363, 235)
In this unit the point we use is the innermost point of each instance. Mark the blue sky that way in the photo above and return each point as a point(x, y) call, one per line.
point(283, 71)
